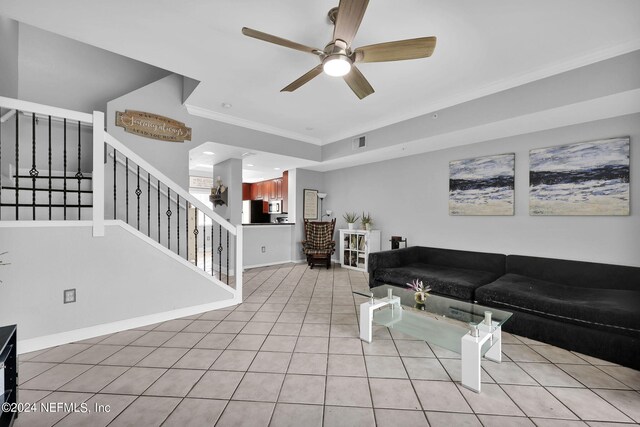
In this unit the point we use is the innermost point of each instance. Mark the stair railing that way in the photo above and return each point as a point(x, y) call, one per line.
point(32, 138)
point(146, 199)
point(142, 196)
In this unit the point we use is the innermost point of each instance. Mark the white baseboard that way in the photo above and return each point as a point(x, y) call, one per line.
point(39, 343)
point(294, 261)
point(269, 264)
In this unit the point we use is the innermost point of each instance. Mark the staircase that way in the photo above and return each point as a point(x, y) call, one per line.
point(59, 168)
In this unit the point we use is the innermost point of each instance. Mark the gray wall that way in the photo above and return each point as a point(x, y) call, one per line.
point(276, 241)
point(8, 57)
point(65, 73)
point(230, 171)
point(409, 197)
point(117, 277)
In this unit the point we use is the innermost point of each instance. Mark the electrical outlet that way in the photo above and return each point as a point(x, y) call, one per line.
point(69, 295)
point(263, 249)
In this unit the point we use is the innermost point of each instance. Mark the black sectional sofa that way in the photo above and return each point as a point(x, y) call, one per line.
point(586, 307)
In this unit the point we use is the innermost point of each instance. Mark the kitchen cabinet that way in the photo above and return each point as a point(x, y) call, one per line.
point(275, 188)
point(285, 192)
point(355, 247)
point(246, 191)
point(271, 190)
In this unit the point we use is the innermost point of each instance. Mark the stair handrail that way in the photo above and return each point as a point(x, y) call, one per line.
point(45, 110)
point(121, 148)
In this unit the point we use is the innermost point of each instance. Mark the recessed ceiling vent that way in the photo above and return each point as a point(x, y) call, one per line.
point(359, 142)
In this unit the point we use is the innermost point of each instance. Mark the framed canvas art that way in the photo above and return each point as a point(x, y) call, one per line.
point(586, 178)
point(482, 185)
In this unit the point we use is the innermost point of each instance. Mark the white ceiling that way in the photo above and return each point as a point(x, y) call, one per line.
point(483, 47)
point(256, 165)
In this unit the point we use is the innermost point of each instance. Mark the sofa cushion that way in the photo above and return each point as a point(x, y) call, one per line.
point(576, 273)
point(468, 260)
point(615, 310)
point(449, 281)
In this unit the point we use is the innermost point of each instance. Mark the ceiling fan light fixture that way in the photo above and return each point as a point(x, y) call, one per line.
point(336, 65)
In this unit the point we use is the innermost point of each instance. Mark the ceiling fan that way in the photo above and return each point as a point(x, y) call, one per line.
point(338, 58)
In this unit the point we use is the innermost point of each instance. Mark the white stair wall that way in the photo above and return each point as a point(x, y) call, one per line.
point(121, 281)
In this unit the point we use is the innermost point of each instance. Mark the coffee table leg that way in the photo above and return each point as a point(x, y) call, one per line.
point(366, 321)
point(471, 362)
point(495, 352)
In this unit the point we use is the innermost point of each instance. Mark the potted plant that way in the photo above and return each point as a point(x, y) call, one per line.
point(421, 291)
point(366, 221)
point(351, 218)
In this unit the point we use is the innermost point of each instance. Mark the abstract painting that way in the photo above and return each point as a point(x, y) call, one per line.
point(587, 178)
point(482, 185)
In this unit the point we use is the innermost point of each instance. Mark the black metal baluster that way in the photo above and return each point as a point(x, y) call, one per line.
point(213, 262)
point(195, 235)
point(148, 204)
point(64, 179)
point(220, 251)
point(79, 174)
point(33, 172)
point(178, 220)
point(17, 164)
point(204, 242)
point(115, 214)
point(126, 180)
point(138, 193)
point(227, 257)
point(158, 210)
point(49, 168)
point(168, 218)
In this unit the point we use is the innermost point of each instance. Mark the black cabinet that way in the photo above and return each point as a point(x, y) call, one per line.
point(8, 372)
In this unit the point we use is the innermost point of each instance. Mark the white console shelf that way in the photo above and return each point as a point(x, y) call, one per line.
point(355, 247)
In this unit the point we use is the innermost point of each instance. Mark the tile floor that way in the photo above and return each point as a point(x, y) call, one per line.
point(290, 356)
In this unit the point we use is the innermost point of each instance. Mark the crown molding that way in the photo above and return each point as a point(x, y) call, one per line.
point(606, 107)
point(492, 88)
point(250, 124)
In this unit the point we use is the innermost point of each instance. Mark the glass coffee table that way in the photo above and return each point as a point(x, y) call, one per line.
point(471, 330)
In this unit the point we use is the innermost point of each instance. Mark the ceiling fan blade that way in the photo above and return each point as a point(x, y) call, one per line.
point(396, 51)
point(279, 40)
point(350, 14)
point(358, 84)
point(303, 79)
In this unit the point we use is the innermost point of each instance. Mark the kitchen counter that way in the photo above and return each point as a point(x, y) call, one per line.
point(267, 244)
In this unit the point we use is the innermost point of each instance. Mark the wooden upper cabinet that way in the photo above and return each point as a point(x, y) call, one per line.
point(246, 191)
point(273, 189)
point(285, 191)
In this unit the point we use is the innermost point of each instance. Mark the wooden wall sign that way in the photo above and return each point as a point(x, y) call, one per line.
point(153, 126)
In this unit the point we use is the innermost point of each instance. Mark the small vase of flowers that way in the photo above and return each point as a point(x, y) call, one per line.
point(421, 291)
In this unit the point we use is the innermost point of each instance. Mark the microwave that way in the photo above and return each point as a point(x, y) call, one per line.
point(275, 207)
